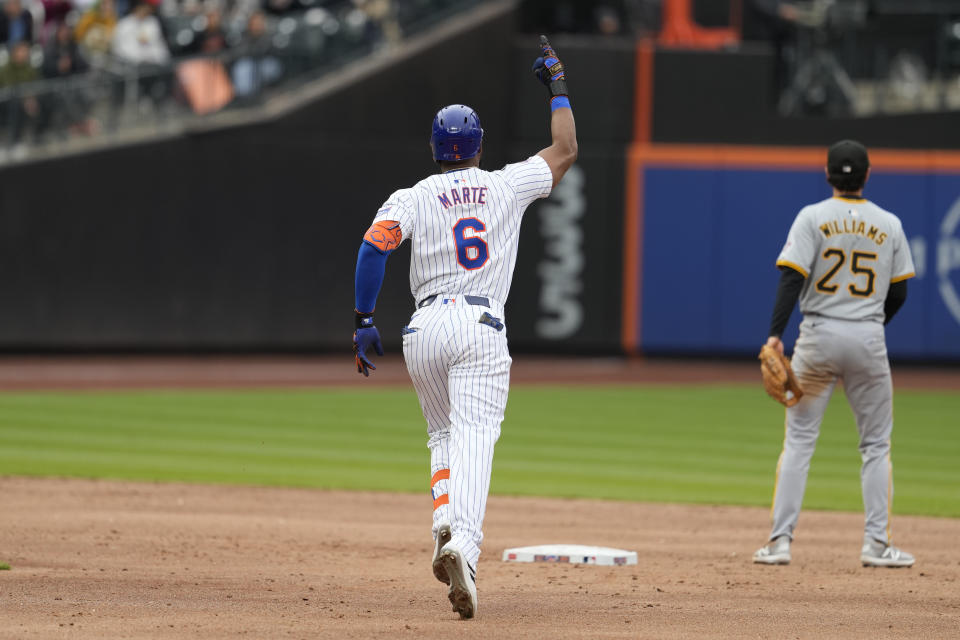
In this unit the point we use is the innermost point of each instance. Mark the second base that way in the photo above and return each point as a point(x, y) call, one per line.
point(572, 554)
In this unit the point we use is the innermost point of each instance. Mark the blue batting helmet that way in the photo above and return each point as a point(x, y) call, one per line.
point(456, 133)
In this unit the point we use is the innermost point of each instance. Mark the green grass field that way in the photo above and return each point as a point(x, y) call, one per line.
point(704, 444)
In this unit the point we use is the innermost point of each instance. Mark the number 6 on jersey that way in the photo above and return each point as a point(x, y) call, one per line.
point(471, 249)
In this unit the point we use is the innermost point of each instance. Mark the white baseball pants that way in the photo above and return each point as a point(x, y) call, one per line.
point(461, 371)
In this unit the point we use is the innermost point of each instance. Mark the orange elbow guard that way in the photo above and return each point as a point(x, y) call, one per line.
point(384, 235)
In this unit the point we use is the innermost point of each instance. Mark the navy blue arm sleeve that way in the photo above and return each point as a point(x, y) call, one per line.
point(371, 264)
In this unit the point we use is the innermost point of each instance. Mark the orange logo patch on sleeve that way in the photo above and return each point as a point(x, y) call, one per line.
point(385, 235)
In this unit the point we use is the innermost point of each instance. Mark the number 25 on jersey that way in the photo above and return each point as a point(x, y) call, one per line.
point(471, 249)
point(858, 266)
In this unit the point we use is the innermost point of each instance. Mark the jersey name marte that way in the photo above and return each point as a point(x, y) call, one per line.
point(465, 227)
point(849, 250)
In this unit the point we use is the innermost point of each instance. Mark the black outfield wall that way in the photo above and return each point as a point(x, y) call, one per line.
point(246, 238)
point(236, 239)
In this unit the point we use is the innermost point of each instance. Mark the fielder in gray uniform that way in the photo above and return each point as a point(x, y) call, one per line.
point(848, 261)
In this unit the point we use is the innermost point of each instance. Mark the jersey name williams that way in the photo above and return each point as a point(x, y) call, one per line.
point(464, 195)
point(858, 227)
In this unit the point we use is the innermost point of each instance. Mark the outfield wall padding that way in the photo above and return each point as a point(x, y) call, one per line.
point(714, 222)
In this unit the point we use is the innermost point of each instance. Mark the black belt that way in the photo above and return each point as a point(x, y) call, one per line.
point(477, 300)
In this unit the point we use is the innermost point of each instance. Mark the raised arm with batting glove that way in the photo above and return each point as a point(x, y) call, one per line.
point(549, 71)
point(560, 155)
point(385, 235)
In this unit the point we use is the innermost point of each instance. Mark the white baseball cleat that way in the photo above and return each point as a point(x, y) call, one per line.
point(777, 551)
point(878, 554)
point(443, 537)
point(463, 582)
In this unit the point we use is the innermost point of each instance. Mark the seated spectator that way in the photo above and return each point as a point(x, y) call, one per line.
point(212, 40)
point(94, 30)
point(18, 68)
point(16, 24)
point(21, 111)
point(67, 106)
point(138, 43)
point(138, 38)
point(256, 66)
point(61, 57)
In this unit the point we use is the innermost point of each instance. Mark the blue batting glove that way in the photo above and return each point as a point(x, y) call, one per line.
point(363, 339)
point(548, 67)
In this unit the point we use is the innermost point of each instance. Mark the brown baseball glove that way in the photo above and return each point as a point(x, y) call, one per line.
point(778, 378)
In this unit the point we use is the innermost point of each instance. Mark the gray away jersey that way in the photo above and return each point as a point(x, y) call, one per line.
point(465, 227)
point(849, 250)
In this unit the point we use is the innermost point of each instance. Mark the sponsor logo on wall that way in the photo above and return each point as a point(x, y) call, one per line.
point(948, 260)
point(561, 269)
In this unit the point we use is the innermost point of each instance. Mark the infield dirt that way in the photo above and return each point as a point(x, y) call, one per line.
point(98, 559)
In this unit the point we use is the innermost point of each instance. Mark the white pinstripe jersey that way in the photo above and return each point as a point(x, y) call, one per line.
point(849, 250)
point(465, 227)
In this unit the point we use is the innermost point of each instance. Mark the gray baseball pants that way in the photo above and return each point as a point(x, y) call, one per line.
point(855, 352)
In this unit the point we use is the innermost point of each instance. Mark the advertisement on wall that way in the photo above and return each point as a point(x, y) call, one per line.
point(948, 260)
point(710, 224)
point(566, 288)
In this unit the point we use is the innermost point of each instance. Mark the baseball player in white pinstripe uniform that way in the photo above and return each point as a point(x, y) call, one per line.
point(464, 224)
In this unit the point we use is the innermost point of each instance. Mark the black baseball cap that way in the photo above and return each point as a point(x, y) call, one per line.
point(847, 158)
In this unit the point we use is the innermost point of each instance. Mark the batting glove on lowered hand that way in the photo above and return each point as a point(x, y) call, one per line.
point(364, 337)
point(549, 70)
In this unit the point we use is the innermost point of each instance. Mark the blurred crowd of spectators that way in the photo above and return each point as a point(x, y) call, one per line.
point(199, 54)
